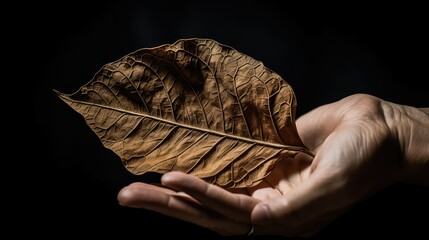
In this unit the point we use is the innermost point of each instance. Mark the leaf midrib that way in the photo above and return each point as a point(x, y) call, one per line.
point(221, 134)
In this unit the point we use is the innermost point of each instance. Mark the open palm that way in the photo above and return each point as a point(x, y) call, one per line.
point(226, 211)
point(354, 158)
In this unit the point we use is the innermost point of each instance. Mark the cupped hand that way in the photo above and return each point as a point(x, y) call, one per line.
point(227, 212)
point(356, 155)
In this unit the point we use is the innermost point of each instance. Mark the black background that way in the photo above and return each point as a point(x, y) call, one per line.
point(326, 52)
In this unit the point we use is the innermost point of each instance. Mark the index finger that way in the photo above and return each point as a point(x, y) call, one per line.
point(232, 205)
point(178, 205)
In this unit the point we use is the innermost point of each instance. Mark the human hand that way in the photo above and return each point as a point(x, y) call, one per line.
point(360, 148)
point(191, 199)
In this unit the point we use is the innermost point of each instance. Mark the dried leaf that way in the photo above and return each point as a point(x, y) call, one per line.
point(195, 106)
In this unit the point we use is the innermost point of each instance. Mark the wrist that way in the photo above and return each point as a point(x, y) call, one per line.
point(409, 127)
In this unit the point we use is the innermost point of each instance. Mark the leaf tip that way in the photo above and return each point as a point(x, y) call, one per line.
point(61, 95)
point(57, 92)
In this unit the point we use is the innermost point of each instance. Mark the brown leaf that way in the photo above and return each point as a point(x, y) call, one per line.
point(195, 106)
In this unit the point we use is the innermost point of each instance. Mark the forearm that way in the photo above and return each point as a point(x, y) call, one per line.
point(410, 127)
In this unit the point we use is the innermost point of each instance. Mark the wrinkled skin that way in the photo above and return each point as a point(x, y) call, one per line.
point(362, 144)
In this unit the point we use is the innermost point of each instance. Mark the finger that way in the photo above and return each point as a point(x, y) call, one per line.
point(308, 229)
point(131, 196)
point(314, 226)
point(233, 206)
point(311, 200)
point(180, 206)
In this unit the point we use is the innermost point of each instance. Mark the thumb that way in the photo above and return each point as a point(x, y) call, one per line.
point(317, 196)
